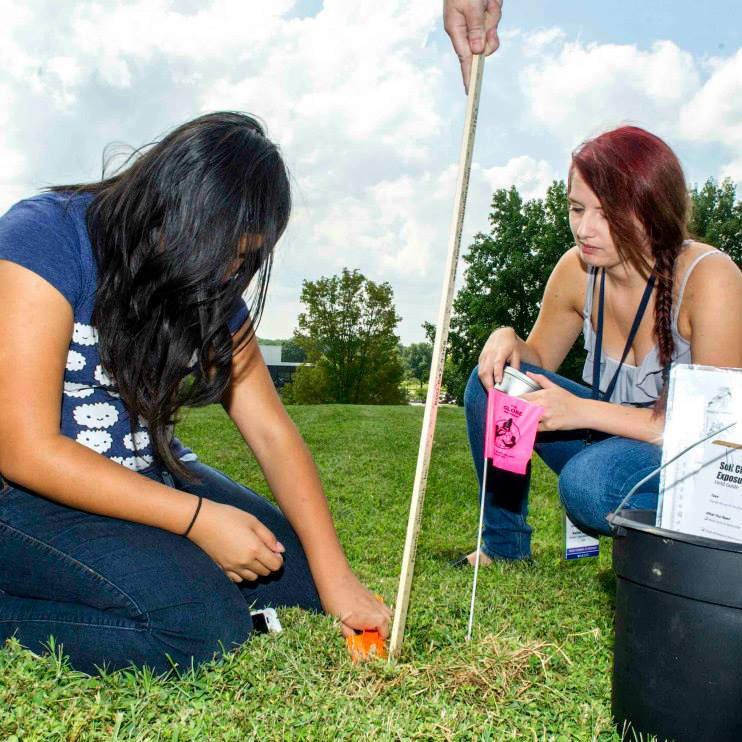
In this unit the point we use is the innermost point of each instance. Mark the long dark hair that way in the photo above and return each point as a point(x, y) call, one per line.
point(636, 176)
point(166, 233)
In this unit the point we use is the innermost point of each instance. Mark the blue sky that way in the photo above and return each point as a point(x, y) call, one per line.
point(365, 100)
point(701, 28)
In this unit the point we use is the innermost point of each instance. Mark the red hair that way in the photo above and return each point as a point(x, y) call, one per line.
point(640, 184)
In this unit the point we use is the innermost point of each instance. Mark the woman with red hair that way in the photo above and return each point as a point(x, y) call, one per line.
point(644, 295)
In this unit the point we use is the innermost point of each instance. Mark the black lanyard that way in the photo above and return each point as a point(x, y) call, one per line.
point(629, 341)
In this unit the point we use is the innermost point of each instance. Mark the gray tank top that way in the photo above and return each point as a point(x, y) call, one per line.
point(640, 384)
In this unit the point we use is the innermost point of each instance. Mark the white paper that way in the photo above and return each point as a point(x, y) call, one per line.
point(578, 544)
point(701, 493)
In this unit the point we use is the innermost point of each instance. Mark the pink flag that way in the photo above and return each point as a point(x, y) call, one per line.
point(510, 431)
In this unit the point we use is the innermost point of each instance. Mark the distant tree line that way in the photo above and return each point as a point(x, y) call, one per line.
point(346, 336)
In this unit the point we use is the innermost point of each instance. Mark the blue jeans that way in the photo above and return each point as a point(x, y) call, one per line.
point(593, 478)
point(115, 593)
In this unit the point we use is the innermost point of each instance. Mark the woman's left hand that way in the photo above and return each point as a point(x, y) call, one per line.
point(562, 409)
point(356, 607)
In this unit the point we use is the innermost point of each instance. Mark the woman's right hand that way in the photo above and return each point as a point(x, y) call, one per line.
point(502, 347)
point(237, 541)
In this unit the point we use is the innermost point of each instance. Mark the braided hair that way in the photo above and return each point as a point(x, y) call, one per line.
point(640, 184)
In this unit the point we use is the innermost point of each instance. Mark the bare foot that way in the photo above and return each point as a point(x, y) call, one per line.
point(484, 560)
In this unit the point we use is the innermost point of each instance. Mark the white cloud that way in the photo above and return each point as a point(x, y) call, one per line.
point(714, 113)
point(395, 228)
point(14, 59)
point(401, 226)
point(535, 42)
point(577, 90)
point(12, 159)
point(733, 170)
point(361, 124)
point(13, 162)
point(316, 84)
point(64, 74)
point(364, 99)
point(531, 177)
point(145, 28)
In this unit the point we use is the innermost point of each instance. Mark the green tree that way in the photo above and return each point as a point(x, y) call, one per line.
point(347, 333)
point(716, 218)
point(454, 378)
point(416, 358)
point(505, 277)
point(291, 352)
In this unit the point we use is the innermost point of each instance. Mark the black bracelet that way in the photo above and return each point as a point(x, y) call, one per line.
point(195, 515)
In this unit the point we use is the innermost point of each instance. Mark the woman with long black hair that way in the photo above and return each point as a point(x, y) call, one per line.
point(114, 538)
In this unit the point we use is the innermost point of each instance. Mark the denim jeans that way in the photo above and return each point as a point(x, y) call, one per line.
point(593, 477)
point(115, 593)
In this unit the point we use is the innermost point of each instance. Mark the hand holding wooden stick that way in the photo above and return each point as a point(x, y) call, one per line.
point(439, 355)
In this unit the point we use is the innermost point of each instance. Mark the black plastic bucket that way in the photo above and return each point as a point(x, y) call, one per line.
point(677, 670)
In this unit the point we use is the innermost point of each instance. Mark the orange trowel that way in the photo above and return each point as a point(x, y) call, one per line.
point(366, 643)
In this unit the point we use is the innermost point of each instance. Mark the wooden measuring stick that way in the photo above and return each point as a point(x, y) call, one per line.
point(439, 356)
point(728, 444)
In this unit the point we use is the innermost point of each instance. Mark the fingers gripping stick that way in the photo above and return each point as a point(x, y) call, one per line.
point(439, 355)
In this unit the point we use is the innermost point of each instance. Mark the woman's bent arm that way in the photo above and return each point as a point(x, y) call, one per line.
point(566, 411)
point(641, 424)
point(254, 406)
point(712, 310)
point(36, 327)
point(559, 320)
point(554, 332)
point(67, 472)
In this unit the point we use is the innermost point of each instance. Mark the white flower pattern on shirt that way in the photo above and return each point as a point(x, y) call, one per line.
point(79, 391)
point(141, 439)
point(135, 463)
point(75, 361)
point(98, 440)
point(102, 377)
point(97, 415)
point(84, 334)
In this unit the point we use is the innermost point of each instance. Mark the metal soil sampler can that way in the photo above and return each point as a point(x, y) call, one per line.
point(514, 383)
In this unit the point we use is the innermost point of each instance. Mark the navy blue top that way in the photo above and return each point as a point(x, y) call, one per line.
point(47, 234)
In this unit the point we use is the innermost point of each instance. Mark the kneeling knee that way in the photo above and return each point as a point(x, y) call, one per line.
point(582, 503)
point(197, 632)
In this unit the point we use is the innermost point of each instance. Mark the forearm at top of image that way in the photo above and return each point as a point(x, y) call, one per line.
point(71, 474)
point(639, 423)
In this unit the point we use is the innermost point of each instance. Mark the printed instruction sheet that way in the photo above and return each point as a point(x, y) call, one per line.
point(701, 492)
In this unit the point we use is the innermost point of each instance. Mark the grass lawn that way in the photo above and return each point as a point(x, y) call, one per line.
point(538, 667)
